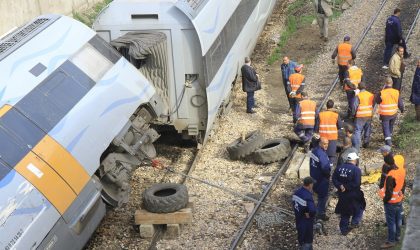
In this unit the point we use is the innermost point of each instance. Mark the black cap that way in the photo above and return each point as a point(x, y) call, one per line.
point(308, 180)
point(389, 159)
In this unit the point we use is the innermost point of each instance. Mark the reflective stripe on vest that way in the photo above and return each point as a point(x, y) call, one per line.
point(344, 54)
point(365, 108)
point(328, 125)
point(389, 104)
point(307, 114)
point(355, 76)
point(296, 80)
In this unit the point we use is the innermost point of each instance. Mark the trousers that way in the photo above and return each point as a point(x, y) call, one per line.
point(396, 83)
point(355, 220)
point(389, 46)
point(287, 94)
point(350, 101)
point(393, 220)
point(362, 131)
point(305, 134)
point(388, 128)
point(332, 151)
point(323, 24)
point(250, 100)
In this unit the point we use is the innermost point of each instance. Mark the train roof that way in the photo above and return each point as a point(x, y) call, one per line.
point(207, 17)
point(29, 54)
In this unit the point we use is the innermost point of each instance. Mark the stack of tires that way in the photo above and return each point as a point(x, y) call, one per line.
point(260, 150)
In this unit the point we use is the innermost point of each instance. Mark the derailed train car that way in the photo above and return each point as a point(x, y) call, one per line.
point(199, 47)
point(75, 113)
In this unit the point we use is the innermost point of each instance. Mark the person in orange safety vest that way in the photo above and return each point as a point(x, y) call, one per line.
point(362, 111)
point(353, 77)
point(327, 125)
point(392, 196)
point(389, 101)
point(344, 53)
point(295, 86)
point(306, 113)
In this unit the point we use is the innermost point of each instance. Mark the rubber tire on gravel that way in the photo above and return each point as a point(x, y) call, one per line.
point(239, 149)
point(165, 198)
point(271, 151)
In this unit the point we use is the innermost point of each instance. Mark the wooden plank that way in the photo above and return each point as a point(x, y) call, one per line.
point(183, 216)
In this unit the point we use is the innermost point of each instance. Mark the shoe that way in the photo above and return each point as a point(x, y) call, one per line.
point(306, 148)
point(354, 226)
point(325, 39)
point(365, 145)
point(346, 232)
point(256, 106)
point(387, 245)
point(407, 55)
point(251, 111)
point(385, 67)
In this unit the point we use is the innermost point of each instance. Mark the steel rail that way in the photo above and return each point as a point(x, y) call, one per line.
point(356, 47)
point(239, 237)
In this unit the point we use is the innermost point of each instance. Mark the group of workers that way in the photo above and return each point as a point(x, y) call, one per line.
point(344, 172)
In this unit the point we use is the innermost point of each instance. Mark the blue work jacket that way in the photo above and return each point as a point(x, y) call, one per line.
point(320, 170)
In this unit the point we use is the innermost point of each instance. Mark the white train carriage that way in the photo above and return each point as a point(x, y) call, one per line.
point(191, 50)
point(66, 97)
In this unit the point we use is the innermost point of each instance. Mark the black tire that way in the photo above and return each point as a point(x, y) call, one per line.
point(165, 198)
point(239, 149)
point(271, 151)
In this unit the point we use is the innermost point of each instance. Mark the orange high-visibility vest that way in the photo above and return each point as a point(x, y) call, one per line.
point(389, 104)
point(399, 177)
point(296, 80)
point(355, 75)
point(344, 54)
point(399, 161)
point(365, 108)
point(307, 112)
point(328, 125)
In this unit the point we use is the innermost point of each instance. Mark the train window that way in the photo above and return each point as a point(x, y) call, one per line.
point(4, 170)
point(10, 151)
point(105, 49)
point(90, 61)
point(51, 100)
point(26, 132)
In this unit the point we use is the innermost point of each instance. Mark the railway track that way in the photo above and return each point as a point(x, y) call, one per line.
point(236, 242)
point(259, 202)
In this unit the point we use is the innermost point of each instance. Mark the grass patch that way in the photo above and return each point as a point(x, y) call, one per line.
point(88, 16)
point(409, 134)
point(293, 22)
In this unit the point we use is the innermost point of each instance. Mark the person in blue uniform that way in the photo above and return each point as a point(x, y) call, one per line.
point(304, 208)
point(351, 202)
point(320, 171)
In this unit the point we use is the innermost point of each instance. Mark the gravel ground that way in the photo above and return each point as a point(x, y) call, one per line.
point(218, 215)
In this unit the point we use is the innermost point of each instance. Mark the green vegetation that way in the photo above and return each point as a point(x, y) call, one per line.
point(294, 20)
point(88, 16)
point(409, 134)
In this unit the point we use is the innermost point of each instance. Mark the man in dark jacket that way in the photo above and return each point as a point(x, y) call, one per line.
point(393, 36)
point(320, 171)
point(386, 152)
point(287, 69)
point(415, 91)
point(250, 84)
point(347, 149)
point(304, 208)
point(351, 202)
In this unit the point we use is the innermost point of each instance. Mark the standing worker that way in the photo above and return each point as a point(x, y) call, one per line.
point(386, 152)
point(287, 69)
point(250, 84)
point(393, 36)
point(320, 171)
point(351, 202)
point(353, 77)
point(323, 11)
point(392, 196)
point(327, 125)
point(304, 208)
point(295, 86)
point(389, 101)
point(363, 112)
point(347, 149)
point(415, 91)
point(306, 113)
point(344, 53)
point(396, 68)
